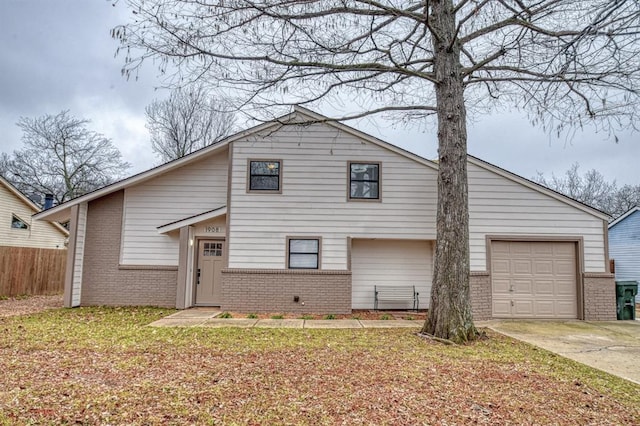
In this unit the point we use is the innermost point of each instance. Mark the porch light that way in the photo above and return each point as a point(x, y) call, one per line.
point(271, 166)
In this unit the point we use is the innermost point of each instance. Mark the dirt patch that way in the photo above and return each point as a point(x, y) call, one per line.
point(356, 314)
point(14, 306)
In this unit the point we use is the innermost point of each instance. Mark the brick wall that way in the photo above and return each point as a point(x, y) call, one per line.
point(263, 290)
point(103, 281)
point(480, 290)
point(599, 297)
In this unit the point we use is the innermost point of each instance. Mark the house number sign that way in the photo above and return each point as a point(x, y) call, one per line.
point(212, 229)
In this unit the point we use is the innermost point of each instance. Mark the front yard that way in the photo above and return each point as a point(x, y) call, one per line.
point(103, 366)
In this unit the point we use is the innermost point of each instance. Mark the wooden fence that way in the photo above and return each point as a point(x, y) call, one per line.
point(33, 271)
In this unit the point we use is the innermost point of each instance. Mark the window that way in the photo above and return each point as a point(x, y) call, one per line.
point(212, 249)
point(17, 223)
point(364, 181)
point(304, 253)
point(264, 175)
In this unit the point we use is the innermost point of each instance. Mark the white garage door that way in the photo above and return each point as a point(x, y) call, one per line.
point(534, 279)
point(390, 262)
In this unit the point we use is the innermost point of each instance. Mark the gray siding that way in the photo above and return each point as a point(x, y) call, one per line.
point(624, 247)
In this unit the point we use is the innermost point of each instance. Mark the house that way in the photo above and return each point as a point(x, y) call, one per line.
point(17, 229)
point(306, 215)
point(624, 246)
point(32, 253)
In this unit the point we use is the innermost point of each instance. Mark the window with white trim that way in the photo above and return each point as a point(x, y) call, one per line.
point(303, 253)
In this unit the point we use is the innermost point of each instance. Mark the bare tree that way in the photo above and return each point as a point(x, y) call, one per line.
point(625, 199)
point(188, 120)
point(62, 157)
point(566, 62)
point(4, 164)
point(593, 189)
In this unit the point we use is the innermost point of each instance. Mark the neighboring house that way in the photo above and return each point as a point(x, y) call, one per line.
point(308, 217)
point(17, 229)
point(624, 246)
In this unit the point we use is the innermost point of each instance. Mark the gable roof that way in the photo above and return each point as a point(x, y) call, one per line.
point(299, 115)
point(624, 216)
point(315, 117)
point(30, 204)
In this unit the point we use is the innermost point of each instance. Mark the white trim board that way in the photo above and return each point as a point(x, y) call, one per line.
point(211, 214)
point(624, 216)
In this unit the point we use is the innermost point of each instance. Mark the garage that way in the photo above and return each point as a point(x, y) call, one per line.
point(390, 262)
point(534, 279)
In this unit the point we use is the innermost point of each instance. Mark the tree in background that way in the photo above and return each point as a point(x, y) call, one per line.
point(4, 164)
point(188, 120)
point(593, 189)
point(625, 199)
point(566, 62)
point(62, 157)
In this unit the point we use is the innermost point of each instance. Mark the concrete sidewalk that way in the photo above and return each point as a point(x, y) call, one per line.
point(610, 346)
point(205, 317)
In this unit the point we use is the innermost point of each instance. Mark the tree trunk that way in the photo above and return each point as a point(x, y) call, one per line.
point(450, 311)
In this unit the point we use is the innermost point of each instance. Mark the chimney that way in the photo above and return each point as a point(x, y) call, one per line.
point(48, 201)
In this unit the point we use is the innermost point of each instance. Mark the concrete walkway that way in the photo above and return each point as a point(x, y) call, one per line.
point(610, 346)
point(204, 317)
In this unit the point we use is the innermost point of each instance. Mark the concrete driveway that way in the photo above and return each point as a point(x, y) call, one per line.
point(611, 346)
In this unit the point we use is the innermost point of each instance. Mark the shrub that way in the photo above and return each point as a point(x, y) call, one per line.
point(252, 316)
point(385, 317)
point(225, 315)
point(330, 317)
point(277, 316)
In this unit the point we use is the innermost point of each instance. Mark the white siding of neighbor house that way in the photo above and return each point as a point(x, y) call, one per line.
point(40, 234)
point(499, 206)
point(79, 255)
point(624, 248)
point(178, 194)
point(314, 202)
point(390, 263)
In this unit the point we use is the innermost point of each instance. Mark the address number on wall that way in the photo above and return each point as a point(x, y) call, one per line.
point(212, 229)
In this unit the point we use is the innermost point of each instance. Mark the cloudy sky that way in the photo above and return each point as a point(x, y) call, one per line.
point(58, 55)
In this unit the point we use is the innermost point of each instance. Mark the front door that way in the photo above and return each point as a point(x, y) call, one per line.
point(208, 274)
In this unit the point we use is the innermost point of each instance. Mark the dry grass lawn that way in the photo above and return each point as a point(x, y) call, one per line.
point(104, 366)
point(12, 306)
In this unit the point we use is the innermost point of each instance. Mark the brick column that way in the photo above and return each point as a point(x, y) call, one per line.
point(599, 296)
point(480, 287)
